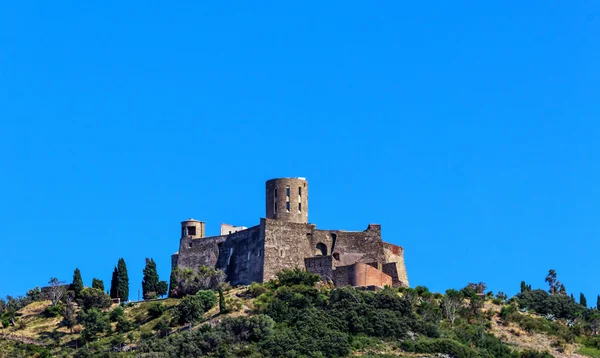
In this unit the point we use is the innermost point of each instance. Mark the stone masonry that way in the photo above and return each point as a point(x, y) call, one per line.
point(285, 240)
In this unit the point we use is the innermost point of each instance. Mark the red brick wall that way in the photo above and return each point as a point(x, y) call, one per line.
point(360, 274)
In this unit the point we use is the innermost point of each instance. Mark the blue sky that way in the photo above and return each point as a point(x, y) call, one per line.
point(469, 130)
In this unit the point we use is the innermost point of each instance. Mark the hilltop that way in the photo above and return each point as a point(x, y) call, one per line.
point(299, 315)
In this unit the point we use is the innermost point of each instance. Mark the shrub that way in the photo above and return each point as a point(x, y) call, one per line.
point(561, 306)
point(162, 327)
point(156, 309)
point(534, 354)
point(53, 311)
point(188, 282)
point(243, 329)
point(444, 346)
point(117, 313)
point(297, 277)
point(256, 289)
point(94, 298)
point(125, 325)
point(192, 307)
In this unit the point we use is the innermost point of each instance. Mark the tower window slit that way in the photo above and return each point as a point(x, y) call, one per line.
point(287, 206)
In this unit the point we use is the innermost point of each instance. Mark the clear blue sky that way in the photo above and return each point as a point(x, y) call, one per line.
point(469, 130)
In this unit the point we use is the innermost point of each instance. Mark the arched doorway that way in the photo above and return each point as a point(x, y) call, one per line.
point(321, 249)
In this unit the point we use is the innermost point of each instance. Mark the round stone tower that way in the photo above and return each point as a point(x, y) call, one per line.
point(287, 199)
point(192, 228)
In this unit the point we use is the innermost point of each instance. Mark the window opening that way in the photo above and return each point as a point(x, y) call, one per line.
point(321, 249)
point(191, 230)
point(287, 206)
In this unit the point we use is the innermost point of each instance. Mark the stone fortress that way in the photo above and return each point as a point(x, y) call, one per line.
point(284, 239)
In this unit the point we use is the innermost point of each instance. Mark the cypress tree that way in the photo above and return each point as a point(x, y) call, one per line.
point(122, 280)
point(113, 284)
point(598, 303)
point(99, 284)
point(150, 283)
point(222, 305)
point(77, 285)
point(582, 300)
point(173, 285)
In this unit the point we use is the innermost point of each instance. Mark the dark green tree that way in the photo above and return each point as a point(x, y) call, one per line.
point(114, 293)
point(77, 285)
point(523, 287)
point(553, 284)
point(122, 281)
point(94, 322)
point(222, 305)
point(192, 307)
point(94, 298)
point(151, 286)
point(163, 287)
point(99, 284)
point(582, 300)
point(598, 303)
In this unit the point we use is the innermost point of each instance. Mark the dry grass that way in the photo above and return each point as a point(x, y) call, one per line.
point(522, 340)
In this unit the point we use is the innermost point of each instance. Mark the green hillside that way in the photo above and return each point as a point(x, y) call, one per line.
point(299, 316)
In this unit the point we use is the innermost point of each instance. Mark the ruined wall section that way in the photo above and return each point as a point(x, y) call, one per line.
point(322, 266)
point(196, 252)
point(241, 256)
point(395, 254)
point(361, 274)
point(352, 246)
point(286, 246)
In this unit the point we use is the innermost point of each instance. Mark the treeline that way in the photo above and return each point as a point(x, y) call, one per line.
point(62, 295)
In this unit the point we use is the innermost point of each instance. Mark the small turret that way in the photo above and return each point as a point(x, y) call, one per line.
point(192, 228)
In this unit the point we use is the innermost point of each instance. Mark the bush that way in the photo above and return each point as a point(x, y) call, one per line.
point(192, 307)
point(256, 289)
point(94, 298)
point(156, 309)
point(53, 311)
point(534, 354)
point(124, 325)
point(188, 282)
point(117, 313)
point(561, 306)
point(162, 327)
point(297, 277)
point(444, 346)
point(244, 329)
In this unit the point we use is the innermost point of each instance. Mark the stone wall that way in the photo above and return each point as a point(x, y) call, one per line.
point(394, 253)
point(197, 252)
point(321, 265)
point(286, 246)
point(241, 256)
point(257, 254)
point(352, 246)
